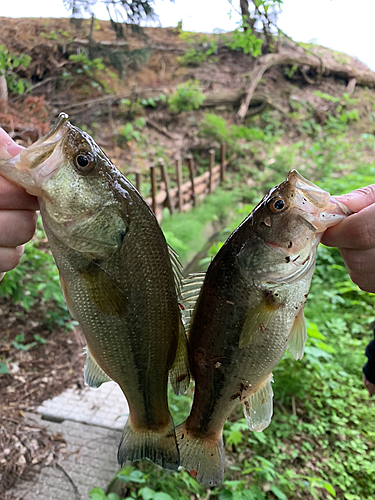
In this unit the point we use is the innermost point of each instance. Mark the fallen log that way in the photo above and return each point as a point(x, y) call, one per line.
point(263, 63)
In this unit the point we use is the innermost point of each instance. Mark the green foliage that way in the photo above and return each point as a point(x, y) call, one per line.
point(90, 71)
point(204, 47)
point(189, 229)
point(8, 64)
point(201, 48)
point(240, 139)
point(99, 494)
point(19, 340)
point(334, 122)
point(52, 35)
point(86, 65)
point(187, 97)
point(130, 108)
point(35, 282)
point(3, 369)
point(131, 132)
point(244, 39)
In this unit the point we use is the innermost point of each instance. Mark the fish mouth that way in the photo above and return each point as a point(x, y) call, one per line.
point(40, 160)
point(317, 207)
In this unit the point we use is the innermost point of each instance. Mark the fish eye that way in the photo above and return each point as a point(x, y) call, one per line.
point(276, 204)
point(84, 162)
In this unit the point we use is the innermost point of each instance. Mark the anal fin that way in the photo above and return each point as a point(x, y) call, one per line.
point(298, 336)
point(94, 376)
point(258, 407)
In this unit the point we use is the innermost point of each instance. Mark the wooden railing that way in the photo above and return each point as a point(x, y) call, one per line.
point(184, 195)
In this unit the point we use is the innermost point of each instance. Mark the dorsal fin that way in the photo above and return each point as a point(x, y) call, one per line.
point(191, 287)
point(177, 270)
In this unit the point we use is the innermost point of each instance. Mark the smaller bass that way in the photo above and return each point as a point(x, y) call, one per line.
point(249, 311)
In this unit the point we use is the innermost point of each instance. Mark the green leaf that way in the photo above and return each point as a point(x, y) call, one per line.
point(162, 496)
point(330, 489)
point(40, 339)
point(97, 494)
point(4, 368)
point(278, 493)
point(226, 495)
point(146, 493)
point(113, 496)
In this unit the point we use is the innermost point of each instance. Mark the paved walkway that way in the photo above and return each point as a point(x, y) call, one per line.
point(91, 421)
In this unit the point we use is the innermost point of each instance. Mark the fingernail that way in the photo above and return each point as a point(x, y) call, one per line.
point(13, 148)
point(8, 148)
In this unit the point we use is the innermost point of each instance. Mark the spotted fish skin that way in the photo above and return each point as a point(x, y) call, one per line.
point(248, 312)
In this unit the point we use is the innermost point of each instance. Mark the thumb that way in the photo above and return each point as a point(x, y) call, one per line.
point(359, 199)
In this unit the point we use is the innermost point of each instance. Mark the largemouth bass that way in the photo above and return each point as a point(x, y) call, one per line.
point(117, 278)
point(249, 311)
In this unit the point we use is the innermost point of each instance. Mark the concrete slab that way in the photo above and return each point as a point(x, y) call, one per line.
point(105, 406)
point(91, 421)
point(90, 461)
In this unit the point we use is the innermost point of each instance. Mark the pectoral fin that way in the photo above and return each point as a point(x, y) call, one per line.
point(104, 290)
point(258, 407)
point(180, 375)
point(298, 336)
point(94, 376)
point(257, 321)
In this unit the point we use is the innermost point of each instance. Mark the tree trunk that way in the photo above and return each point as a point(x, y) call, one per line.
point(244, 6)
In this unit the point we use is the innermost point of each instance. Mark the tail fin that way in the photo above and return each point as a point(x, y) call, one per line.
point(159, 446)
point(203, 458)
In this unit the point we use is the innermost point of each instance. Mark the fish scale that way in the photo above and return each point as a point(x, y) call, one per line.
point(248, 312)
point(117, 277)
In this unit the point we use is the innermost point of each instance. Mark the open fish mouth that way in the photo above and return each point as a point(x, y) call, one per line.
point(39, 161)
point(318, 208)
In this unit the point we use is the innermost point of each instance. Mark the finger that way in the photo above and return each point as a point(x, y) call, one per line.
point(369, 386)
point(365, 281)
point(356, 231)
point(10, 258)
point(13, 197)
point(17, 227)
point(359, 261)
point(359, 199)
point(8, 148)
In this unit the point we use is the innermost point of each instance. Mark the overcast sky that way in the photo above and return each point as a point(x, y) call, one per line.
point(342, 25)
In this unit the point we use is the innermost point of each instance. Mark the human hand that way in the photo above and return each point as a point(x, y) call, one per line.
point(369, 386)
point(355, 237)
point(17, 213)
